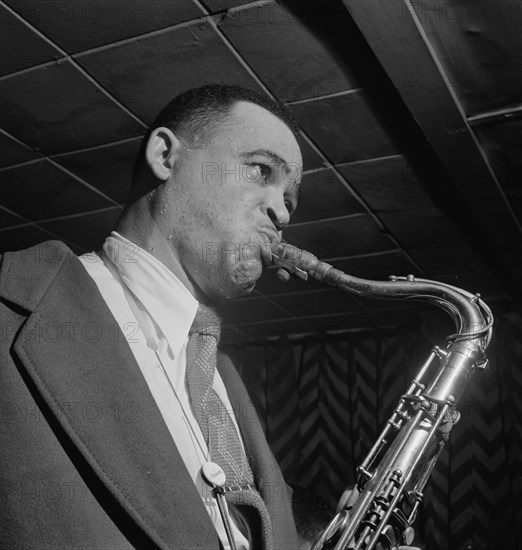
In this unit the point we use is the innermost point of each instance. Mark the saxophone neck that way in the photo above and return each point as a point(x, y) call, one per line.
point(472, 317)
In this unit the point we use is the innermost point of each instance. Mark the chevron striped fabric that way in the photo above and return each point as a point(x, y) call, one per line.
point(323, 401)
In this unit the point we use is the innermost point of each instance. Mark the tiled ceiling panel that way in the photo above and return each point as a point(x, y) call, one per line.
point(88, 231)
point(386, 184)
point(77, 26)
point(482, 282)
point(325, 301)
point(11, 152)
point(362, 319)
point(52, 192)
point(220, 5)
point(8, 219)
point(323, 195)
point(286, 56)
point(480, 45)
point(345, 127)
point(257, 308)
point(21, 46)
point(23, 237)
point(347, 236)
point(233, 333)
point(454, 257)
point(311, 159)
point(364, 208)
point(147, 73)
point(424, 226)
point(56, 108)
point(108, 168)
point(503, 145)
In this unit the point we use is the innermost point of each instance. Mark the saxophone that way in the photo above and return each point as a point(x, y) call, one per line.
point(392, 477)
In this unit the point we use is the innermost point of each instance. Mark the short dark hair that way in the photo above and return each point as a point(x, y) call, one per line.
point(194, 114)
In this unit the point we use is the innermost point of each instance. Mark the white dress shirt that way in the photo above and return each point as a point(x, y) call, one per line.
point(155, 311)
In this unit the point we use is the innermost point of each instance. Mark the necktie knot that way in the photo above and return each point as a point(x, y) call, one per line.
point(206, 322)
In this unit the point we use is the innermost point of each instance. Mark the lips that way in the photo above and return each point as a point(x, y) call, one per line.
point(269, 239)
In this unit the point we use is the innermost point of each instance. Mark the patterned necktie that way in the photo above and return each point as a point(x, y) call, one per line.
point(215, 421)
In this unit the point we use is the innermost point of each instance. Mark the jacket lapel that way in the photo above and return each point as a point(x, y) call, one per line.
point(79, 364)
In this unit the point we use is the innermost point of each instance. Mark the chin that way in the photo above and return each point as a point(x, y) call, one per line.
point(230, 292)
point(243, 280)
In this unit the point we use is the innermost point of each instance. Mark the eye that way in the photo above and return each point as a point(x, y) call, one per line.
point(256, 171)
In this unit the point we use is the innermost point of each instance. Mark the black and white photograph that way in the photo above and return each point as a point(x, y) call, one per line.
point(260, 274)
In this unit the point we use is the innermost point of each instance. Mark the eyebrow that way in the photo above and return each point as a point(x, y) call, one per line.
point(267, 153)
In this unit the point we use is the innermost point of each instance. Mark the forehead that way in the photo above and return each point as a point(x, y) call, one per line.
point(250, 127)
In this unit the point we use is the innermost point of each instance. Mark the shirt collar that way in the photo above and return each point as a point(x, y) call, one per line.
point(169, 303)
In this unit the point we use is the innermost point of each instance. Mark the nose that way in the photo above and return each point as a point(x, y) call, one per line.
point(278, 212)
point(279, 216)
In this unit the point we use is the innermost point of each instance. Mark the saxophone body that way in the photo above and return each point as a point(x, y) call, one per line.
point(393, 475)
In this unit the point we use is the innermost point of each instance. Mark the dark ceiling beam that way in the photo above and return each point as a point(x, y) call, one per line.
point(396, 37)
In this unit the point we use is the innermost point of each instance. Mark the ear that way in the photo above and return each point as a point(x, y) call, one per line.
point(162, 151)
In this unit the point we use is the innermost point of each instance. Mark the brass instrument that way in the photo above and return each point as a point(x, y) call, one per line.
point(393, 475)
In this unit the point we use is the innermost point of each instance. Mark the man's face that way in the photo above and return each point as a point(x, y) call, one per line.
point(229, 199)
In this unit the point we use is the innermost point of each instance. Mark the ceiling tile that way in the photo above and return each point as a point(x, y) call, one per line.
point(503, 145)
point(11, 152)
point(108, 168)
point(344, 321)
point(286, 55)
point(311, 159)
point(76, 26)
point(323, 195)
point(342, 237)
point(386, 184)
point(479, 45)
point(345, 127)
point(397, 316)
point(447, 258)
point(52, 192)
point(482, 282)
point(147, 73)
point(21, 46)
point(250, 309)
point(325, 301)
point(56, 108)
point(423, 226)
point(87, 231)
point(220, 5)
point(373, 304)
point(22, 237)
point(8, 219)
point(262, 331)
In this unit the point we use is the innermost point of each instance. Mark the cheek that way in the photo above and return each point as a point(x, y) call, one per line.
point(231, 211)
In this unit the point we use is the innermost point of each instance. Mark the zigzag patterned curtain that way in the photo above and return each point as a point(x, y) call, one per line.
point(323, 401)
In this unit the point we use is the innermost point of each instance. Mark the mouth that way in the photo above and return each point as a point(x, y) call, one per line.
point(269, 239)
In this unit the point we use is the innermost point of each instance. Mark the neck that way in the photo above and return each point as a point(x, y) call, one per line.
point(138, 225)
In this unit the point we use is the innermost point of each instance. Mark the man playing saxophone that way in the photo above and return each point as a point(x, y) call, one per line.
point(129, 416)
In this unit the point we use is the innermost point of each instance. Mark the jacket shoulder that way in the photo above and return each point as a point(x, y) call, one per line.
point(26, 274)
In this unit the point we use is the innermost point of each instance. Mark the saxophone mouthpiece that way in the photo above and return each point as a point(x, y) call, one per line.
point(287, 268)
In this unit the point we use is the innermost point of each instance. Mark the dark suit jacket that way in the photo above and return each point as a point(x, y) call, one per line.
point(86, 460)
